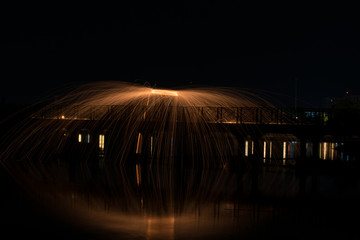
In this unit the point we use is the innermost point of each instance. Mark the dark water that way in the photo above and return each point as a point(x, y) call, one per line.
point(59, 200)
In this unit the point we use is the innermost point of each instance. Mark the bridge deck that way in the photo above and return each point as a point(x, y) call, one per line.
point(229, 115)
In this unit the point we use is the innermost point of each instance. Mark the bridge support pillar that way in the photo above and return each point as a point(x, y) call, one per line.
point(257, 156)
point(316, 144)
point(302, 155)
point(302, 148)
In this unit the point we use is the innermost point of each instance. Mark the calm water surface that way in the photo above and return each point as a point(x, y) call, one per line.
point(161, 202)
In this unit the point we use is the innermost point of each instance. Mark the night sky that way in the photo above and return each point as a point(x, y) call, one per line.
point(262, 48)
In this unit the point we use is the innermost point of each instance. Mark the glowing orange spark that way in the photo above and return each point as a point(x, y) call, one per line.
point(164, 92)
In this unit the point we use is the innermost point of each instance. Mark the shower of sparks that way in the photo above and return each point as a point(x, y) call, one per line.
point(165, 120)
point(116, 123)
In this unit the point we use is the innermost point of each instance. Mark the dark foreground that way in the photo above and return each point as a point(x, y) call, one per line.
point(59, 201)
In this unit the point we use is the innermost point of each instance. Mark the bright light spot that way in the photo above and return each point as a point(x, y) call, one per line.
point(284, 150)
point(264, 149)
point(325, 150)
point(164, 92)
point(62, 117)
point(79, 137)
point(246, 148)
point(101, 142)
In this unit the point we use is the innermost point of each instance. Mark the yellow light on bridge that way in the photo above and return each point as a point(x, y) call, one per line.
point(284, 150)
point(164, 92)
point(101, 141)
point(264, 149)
point(246, 148)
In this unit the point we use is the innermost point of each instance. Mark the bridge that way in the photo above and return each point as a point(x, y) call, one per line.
point(269, 133)
point(230, 115)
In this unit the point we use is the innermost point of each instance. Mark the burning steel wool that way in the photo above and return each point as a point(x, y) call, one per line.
point(127, 122)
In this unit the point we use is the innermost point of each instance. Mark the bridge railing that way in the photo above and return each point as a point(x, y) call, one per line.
point(230, 115)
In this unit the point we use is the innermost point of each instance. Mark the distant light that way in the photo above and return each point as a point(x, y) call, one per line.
point(164, 92)
point(264, 149)
point(347, 92)
point(284, 150)
point(62, 117)
point(101, 141)
point(246, 148)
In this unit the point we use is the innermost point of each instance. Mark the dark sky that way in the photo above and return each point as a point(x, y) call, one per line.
point(44, 48)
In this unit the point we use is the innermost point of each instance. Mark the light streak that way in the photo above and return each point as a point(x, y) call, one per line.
point(151, 145)
point(138, 174)
point(139, 143)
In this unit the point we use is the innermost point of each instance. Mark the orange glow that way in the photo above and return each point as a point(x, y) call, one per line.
point(139, 144)
point(138, 175)
point(164, 92)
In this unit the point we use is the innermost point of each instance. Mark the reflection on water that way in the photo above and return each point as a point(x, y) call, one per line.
point(161, 202)
point(260, 191)
point(276, 149)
